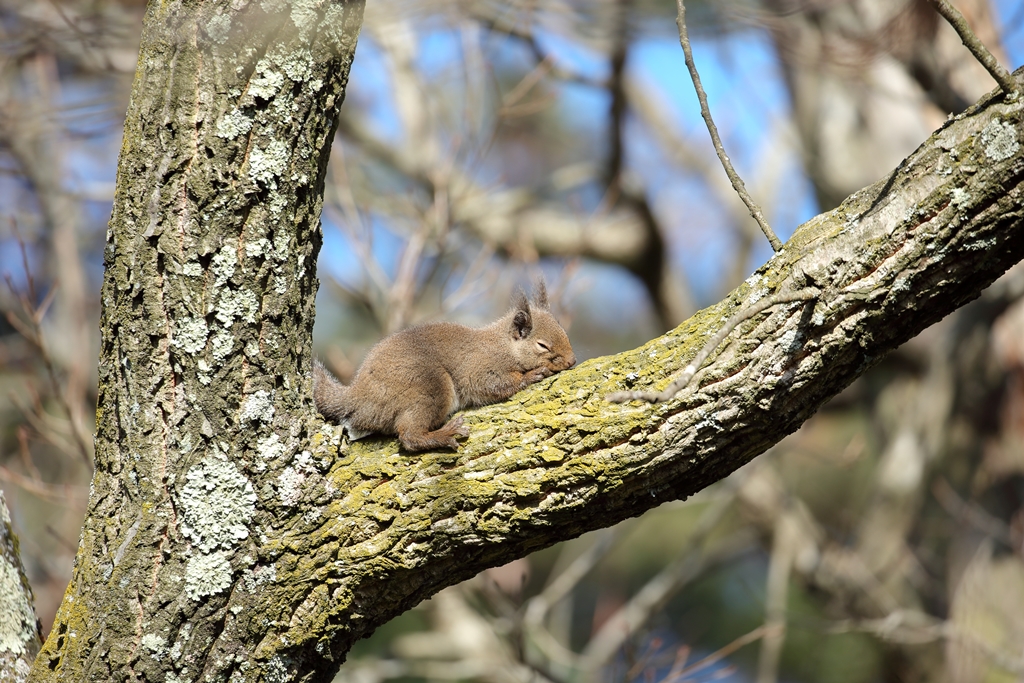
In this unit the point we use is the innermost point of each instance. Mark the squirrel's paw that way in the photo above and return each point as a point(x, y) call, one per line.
point(537, 374)
point(454, 428)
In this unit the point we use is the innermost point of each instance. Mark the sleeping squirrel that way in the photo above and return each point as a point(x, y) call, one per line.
point(411, 381)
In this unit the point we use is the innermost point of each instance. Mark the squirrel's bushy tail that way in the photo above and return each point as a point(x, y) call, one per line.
point(328, 393)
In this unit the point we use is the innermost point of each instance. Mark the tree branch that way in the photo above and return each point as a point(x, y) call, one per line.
point(690, 370)
point(705, 111)
point(558, 461)
point(977, 48)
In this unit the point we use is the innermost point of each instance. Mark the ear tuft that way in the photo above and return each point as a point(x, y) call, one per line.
point(519, 300)
point(540, 294)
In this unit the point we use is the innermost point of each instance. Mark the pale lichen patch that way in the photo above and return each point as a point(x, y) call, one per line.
point(155, 644)
point(224, 263)
point(1000, 140)
point(217, 503)
point(234, 124)
point(267, 82)
point(223, 344)
point(259, 576)
point(282, 243)
point(289, 486)
point(258, 406)
point(240, 303)
point(276, 671)
point(207, 574)
point(190, 335)
point(273, 6)
point(269, 449)
point(304, 14)
point(266, 165)
point(297, 64)
point(278, 203)
point(960, 197)
point(218, 28)
point(258, 247)
point(18, 623)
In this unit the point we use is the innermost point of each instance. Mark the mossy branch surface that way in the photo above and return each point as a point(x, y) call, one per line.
point(233, 536)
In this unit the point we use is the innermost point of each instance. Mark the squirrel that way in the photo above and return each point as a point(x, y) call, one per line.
point(412, 380)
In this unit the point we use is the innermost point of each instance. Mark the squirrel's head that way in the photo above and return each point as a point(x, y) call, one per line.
point(537, 337)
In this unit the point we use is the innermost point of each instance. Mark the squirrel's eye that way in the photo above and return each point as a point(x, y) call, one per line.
point(543, 346)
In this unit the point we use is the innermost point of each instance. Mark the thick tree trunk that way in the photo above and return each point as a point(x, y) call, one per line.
point(232, 536)
point(206, 332)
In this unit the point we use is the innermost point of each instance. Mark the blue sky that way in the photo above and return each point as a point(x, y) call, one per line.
point(736, 69)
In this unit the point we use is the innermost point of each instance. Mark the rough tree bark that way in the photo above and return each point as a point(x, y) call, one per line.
point(20, 636)
point(231, 534)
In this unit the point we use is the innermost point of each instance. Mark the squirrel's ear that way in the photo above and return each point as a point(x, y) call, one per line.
point(522, 321)
point(540, 294)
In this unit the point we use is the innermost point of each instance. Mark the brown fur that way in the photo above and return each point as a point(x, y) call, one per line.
point(413, 380)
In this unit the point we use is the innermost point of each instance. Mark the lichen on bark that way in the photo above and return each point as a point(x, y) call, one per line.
point(206, 328)
point(19, 629)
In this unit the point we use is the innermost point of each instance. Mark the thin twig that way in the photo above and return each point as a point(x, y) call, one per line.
point(785, 544)
point(977, 48)
point(26, 455)
point(690, 370)
point(972, 513)
point(34, 335)
point(500, 26)
point(693, 560)
point(563, 584)
point(64, 494)
point(722, 652)
point(734, 178)
point(912, 627)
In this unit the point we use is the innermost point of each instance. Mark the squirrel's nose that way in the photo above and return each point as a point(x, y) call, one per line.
point(571, 360)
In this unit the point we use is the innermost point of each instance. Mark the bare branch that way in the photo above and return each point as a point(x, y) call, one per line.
point(972, 513)
point(719, 654)
point(34, 334)
point(915, 627)
point(734, 178)
point(694, 560)
point(977, 48)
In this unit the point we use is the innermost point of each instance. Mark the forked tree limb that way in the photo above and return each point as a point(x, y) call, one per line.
point(231, 534)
